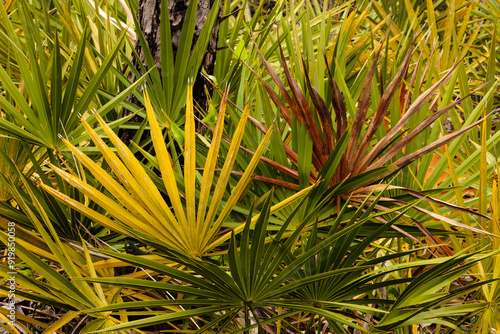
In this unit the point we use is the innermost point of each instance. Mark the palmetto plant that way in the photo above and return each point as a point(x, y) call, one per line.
point(36, 251)
point(359, 155)
point(266, 275)
point(134, 209)
point(38, 115)
point(190, 220)
point(312, 134)
point(58, 84)
point(325, 196)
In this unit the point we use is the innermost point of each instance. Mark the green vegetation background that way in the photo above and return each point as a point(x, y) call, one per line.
point(343, 179)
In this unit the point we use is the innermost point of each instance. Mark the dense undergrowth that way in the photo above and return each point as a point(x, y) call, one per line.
point(344, 178)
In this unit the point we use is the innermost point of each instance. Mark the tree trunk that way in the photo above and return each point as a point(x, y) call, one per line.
point(149, 21)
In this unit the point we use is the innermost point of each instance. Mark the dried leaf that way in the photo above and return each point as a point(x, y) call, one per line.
point(380, 113)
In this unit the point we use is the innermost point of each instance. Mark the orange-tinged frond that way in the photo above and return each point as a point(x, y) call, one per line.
point(209, 170)
point(164, 161)
point(190, 168)
point(224, 176)
point(155, 202)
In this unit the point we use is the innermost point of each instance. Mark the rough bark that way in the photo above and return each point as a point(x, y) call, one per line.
point(149, 21)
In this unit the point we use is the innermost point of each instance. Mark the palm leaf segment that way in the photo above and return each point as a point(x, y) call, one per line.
point(137, 205)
